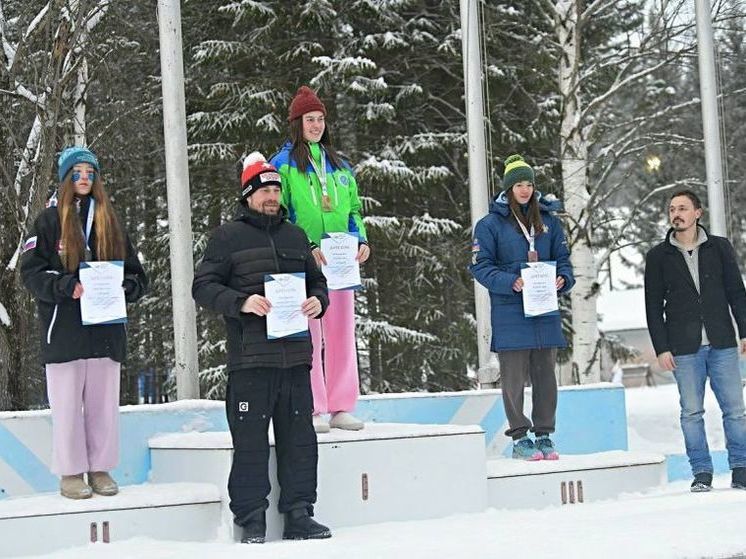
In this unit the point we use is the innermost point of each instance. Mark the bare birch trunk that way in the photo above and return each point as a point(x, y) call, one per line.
point(574, 158)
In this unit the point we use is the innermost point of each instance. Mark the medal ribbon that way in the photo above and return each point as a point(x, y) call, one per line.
point(529, 236)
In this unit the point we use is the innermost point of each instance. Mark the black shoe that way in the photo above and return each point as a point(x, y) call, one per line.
point(702, 482)
point(300, 526)
point(738, 480)
point(254, 528)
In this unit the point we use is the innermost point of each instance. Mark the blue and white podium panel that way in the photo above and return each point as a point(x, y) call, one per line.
point(589, 419)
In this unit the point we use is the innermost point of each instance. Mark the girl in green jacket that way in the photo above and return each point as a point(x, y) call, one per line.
point(320, 194)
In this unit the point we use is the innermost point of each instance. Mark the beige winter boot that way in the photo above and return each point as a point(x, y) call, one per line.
point(102, 483)
point(73, 487)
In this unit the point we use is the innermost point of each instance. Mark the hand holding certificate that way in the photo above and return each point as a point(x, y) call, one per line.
point(342, 270)
point(102, 301)
point(286, 294)
point(539, 289)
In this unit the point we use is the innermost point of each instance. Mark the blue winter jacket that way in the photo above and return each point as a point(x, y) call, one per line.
point(499, 248)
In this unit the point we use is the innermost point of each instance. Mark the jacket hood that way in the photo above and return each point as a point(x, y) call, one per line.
point(549, 203)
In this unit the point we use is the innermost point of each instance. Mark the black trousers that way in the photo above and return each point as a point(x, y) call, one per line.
point(254, 396)
point(516, 367)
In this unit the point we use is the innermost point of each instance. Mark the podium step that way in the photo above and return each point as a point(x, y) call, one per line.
point(45, 523)
point(386, 472)
point(573, 479)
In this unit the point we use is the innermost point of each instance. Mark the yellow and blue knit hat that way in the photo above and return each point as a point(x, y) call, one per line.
point(516, 170)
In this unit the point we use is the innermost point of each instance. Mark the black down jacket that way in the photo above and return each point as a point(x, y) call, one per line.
point(236, 259)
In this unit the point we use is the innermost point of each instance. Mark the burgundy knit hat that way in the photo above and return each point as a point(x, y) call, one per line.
point(257, 172)
point(305, 101)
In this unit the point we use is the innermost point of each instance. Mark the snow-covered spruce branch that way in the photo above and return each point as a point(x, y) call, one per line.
point(335, 66)
point(390, 333)
point(387, 40)
point(384, 223)
point(218, 49)
point(245, 8)
point(217, 151)
point(429, 226)
point(385, 168)
point(362, 84)
point(428, 141)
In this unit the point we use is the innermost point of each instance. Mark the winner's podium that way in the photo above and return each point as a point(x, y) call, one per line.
point(386, 472)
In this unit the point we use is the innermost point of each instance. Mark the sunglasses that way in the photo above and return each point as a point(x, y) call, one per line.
point(77, 175)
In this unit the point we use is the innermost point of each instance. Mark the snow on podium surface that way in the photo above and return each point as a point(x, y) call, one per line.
point(667, 523)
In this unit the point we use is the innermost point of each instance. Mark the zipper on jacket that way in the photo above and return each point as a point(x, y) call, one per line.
point(274, 249)
point(313, 190)
point(51, 325)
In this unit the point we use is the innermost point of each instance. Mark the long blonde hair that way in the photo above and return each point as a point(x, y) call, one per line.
point(110, 243)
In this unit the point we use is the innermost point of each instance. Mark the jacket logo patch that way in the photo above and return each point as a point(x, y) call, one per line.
point(243, 407)
point(344, 180)
point(30, 244)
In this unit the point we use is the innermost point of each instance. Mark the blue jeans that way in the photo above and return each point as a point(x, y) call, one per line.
point(691, 373)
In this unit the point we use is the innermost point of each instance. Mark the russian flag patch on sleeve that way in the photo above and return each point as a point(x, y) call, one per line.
point(29, 244)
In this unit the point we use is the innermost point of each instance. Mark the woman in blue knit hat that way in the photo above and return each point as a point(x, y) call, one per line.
point(521, 227)
point(82, 361)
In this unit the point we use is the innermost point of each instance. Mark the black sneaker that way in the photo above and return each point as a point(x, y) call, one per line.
point(254, 528)
point(702, 482)
point(738, 479)
point(300, 526)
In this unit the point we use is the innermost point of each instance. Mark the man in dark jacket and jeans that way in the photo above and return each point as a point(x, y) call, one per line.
point(692, 284)
point(267, 379)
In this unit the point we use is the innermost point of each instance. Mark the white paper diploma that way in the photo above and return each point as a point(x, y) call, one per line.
point(342, 271)
point(102, 301)
point(286, 293)
point(539, 289)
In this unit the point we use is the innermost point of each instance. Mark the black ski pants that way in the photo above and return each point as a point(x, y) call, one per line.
point(254, 396)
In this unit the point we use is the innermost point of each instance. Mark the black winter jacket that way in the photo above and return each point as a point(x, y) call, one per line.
point(676, 312)
point(236, 259)
point(63, 336)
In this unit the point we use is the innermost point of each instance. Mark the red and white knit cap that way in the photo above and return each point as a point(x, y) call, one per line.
point(257, 172)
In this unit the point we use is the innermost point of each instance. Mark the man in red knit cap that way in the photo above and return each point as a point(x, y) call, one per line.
point(267, 378)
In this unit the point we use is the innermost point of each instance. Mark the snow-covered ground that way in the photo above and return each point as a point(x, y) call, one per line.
point(669, 522)
point(653, 420)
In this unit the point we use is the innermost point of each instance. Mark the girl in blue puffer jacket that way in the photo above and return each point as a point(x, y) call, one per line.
point(519, 228)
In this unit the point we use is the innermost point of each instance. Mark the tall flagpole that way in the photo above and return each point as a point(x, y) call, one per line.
point(478, 184)
point(710, 119)
point(179, 208)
